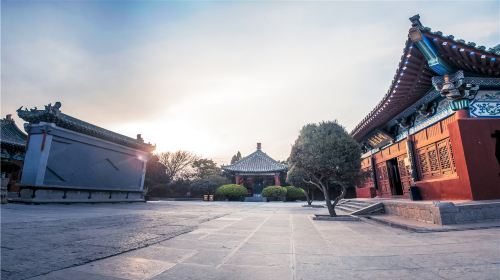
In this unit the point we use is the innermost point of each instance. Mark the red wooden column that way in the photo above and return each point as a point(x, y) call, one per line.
point(277, 180)
point(237, 179)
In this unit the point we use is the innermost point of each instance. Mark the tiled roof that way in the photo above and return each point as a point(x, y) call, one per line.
point(413, 75)
point(256, 162)
point(52, 114)
point(11, 134)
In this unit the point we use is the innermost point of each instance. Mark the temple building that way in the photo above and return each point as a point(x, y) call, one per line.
point(438, 126)
point(69, 160)
point(256, 171)
point(13, 143)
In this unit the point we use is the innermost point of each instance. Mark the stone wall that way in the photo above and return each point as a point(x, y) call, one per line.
point(63, 165)
point(445, 213)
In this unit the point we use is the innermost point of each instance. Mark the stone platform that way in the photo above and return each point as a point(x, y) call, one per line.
point(46, 194)
point(442, 212)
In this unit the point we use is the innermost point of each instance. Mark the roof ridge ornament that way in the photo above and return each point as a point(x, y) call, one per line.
point(415, 21)
point(417, 37)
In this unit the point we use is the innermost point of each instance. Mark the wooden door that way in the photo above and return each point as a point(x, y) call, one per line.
point(404, 172)
point(383, 179)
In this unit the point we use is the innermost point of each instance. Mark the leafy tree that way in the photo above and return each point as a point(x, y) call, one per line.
point(177, 164)
point(298, 177)
point(236, 157)
point(329, 157)
point(207, 176)
point(209, 184)
point(203, 167)
point(156, 177)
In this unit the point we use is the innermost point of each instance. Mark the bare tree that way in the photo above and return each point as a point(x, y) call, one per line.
point(177, 164)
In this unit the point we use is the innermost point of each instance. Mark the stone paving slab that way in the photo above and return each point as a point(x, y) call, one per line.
point(38, 239)
point(235, 247)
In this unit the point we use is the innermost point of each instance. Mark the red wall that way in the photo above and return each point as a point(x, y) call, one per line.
point(482, 165)
point(478, 171)
point(366, 192)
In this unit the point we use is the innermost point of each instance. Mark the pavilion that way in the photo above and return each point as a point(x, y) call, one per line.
point(437, 129)
point(256, 171)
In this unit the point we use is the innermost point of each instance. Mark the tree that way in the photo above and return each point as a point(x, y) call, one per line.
point(329, 156)
point(156, 179)
point(208, 184)
point(298, 177)
point(236, 157)
point(203, 167)
point(207, 176)
point(177, 164)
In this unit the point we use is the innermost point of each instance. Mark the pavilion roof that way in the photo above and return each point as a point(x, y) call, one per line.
point(413, 76)
point(256, 162)
point(52, 114)
point(10, 134)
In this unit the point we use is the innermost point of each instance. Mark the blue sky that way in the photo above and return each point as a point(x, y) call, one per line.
point(217, 77)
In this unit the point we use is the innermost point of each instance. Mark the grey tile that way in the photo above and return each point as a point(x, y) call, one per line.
point(127, 268)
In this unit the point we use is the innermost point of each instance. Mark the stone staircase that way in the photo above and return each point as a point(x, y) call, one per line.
point(360, 207)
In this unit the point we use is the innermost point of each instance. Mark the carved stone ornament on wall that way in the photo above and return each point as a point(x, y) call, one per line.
point(486, 105)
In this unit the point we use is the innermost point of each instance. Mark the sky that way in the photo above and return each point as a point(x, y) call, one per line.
point(217, 77)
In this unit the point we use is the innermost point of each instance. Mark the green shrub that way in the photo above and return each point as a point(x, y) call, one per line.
point(274, 192)
point(231, 192)
point(294, 193)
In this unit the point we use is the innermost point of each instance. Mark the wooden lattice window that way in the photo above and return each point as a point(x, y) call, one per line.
point(423, 162)
point(436, 159)
point(446, 160)
point(433, 159)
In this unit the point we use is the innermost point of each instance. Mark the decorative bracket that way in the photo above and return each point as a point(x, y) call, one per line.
point(407, 122)
point(454, 89)
point(428, 109)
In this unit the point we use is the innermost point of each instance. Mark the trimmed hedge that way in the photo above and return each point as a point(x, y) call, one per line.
point(294, 193)
point(231, 192)
point(274, 192)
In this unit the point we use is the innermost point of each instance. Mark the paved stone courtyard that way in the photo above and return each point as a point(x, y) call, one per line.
point(229, 240)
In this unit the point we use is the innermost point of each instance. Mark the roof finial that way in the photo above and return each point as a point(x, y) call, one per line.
point(259, 146)
point(415, 21)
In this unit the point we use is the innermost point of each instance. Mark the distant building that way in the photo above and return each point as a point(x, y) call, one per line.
point(438, 126)
point(69, 160)
point(256, 171)
point(13, 143)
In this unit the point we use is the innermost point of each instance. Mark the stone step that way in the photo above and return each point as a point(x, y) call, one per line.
point(351, 206)
point(355, 204)
point(347, 208)
point(359, 202)
point(375, 208)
